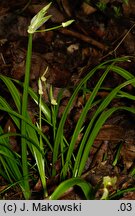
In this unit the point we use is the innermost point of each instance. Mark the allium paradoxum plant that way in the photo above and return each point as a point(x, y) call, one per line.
point(37, 21)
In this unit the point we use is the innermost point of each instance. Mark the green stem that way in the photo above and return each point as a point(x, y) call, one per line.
point(24, 114)
point(50, 29)
point(40, 118)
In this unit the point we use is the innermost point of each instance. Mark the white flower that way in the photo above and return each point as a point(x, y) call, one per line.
point(40, 88)
point(53, 101)
point(39, 19)
point(65, 24)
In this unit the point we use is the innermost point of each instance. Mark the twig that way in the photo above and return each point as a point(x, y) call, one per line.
point(114, 50)
point(84, 38)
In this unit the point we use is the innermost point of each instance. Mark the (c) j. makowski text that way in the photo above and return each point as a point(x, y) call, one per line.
point(52, 207)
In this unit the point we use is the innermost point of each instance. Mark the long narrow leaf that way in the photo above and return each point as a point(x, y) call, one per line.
point(67, 184)
point(103, 105)
point(11, 165)
point(13, 91)
point(103, 117)
point(59, 134)
point(82, 119)
point(46, 111)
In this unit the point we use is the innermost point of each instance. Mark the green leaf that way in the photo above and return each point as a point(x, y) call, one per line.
point(67, 184)
point(101, 120)
point(81, 120)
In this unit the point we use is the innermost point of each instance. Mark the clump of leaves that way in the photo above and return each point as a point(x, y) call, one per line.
point(29, 133)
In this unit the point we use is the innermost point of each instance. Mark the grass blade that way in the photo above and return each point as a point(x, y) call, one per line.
point(23, 123)
point(10, 163)
point(13, 91)
point(102, 106)
point(59, 134)
point(101, 120)
point(64, 186)
point(82, 119)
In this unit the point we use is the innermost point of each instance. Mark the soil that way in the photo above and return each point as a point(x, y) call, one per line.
point(70, 53)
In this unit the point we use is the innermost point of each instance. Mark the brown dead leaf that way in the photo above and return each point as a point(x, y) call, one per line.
point(87, 9)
